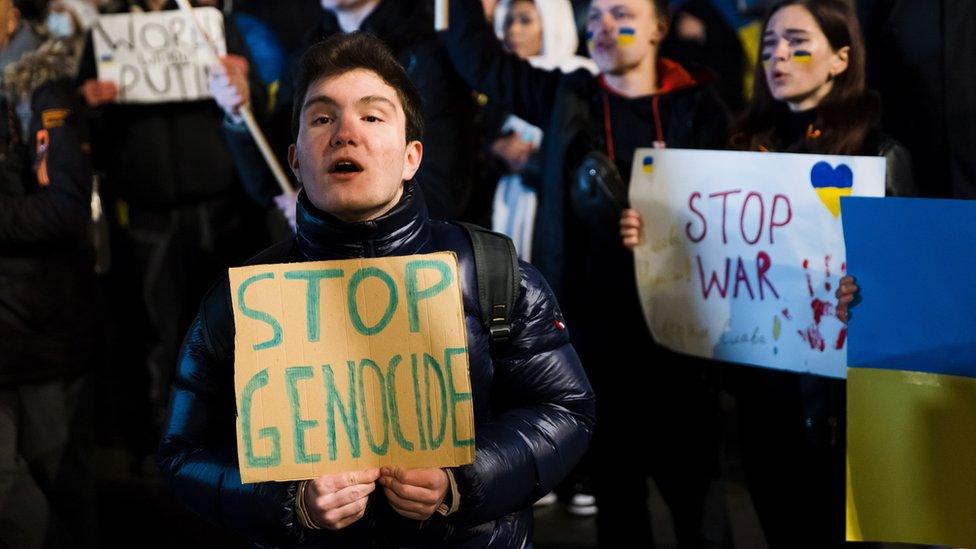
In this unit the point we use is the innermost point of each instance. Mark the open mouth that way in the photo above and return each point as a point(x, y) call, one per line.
point(345, 166)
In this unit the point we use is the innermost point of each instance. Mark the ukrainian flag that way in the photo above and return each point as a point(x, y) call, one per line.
point(648, 164)
point(911, 387)
point(626, 36)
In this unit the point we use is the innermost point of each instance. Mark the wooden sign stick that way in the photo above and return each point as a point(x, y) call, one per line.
point(244, 110)
point(440, 15)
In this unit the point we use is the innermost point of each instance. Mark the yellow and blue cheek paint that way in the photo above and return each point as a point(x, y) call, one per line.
point(647, 164)
point(589, 39)
point(626, 36)
point(802, 57)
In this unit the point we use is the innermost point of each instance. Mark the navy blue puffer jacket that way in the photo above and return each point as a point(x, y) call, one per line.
point(533, 406)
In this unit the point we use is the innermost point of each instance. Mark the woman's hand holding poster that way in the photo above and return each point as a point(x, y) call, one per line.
point(742, 252)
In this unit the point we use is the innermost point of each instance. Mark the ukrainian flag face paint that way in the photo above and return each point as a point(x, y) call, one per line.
point(626, 36)
point(647, 164)
point(623, 34)
point(802, 57)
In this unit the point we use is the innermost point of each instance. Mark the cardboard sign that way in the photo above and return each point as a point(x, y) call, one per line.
point(911, 387)
point(347, 365)
point(743, 252)
point(157, 57)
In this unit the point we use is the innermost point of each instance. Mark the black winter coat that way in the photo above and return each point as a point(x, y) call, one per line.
point(533, 406)
point(46, 276)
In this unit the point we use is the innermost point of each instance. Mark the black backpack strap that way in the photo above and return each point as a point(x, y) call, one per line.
point(496, 264)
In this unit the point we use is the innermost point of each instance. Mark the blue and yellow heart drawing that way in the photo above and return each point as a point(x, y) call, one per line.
point(831, 184)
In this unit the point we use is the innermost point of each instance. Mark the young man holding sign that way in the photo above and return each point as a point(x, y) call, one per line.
point(358, 124)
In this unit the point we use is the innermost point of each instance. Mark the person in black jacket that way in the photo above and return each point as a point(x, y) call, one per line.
point(592, 126)
point(793, 426)
point(406, 28)
point(47, 311)
point(358, 124)
point(179, 218)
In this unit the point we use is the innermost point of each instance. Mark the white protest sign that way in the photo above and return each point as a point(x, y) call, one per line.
point(158, 57)
point(743, 252)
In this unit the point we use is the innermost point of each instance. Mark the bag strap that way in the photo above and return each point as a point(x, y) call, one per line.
point(496, 265)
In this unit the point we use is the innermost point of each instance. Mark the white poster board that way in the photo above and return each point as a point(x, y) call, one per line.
point(743, 252)
point(158, 57)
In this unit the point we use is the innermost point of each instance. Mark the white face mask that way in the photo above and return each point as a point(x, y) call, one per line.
point(60, 25)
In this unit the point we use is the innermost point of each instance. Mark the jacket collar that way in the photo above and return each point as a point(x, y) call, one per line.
point(404, 230)
point(671, 77)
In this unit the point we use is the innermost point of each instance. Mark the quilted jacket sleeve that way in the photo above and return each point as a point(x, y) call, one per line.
point(544, 412)
point(198, 453)
point(198, 456)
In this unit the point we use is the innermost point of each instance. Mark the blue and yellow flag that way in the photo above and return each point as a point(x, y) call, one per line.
point(911, 386)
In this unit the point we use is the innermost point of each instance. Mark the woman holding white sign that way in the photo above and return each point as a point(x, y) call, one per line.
point(810, 96)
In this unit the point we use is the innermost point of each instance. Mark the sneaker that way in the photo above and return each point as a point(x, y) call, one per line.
point(545, 500)
point(582, 505)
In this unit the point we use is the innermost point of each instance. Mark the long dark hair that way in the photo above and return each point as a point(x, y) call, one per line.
point(844, 117)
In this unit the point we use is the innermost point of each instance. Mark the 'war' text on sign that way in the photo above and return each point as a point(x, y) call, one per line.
point(744, 251)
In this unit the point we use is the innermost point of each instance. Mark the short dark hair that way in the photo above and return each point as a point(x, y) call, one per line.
point(341, 53)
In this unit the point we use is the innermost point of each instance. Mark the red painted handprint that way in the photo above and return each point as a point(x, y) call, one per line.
point(821, 308)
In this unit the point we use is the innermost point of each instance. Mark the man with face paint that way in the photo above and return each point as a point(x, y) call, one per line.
point(47, 320)
point(592, 126)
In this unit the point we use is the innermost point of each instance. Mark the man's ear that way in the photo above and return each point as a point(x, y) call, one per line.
point(662, 24)
point(293, 162)
point(411, 159)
